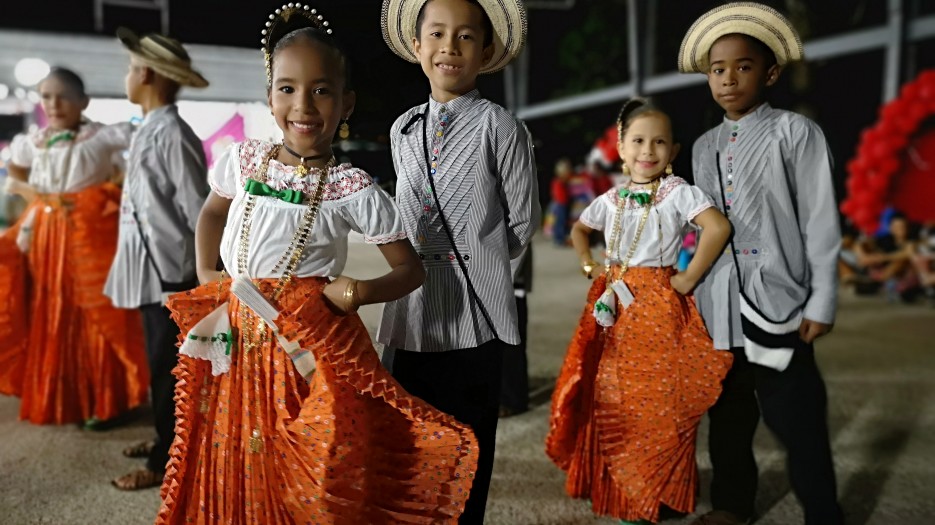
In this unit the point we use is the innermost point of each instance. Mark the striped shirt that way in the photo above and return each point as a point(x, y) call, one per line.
point(485, 179)
point(779, 194)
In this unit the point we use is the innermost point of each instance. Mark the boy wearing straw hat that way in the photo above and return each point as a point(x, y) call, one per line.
point(468, 197)
point(774, 290)
point(166, 185)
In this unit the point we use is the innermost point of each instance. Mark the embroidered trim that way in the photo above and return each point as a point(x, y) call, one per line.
point(87, 130)
point(665, 188)
point(386, 239)
point(345, 180)
point(697, 211)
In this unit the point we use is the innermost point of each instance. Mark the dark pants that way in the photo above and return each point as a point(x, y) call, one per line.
point(161, 336)
point(514, 390)
point(465, 384)
point(794, 407)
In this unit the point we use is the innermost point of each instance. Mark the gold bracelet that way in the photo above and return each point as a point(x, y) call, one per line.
point(350, 295)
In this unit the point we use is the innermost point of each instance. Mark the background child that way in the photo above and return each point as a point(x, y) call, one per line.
point(476, 159)
point(628, 400)
point(163, 193)
point(263, 438)
point(64, 349)
point(770, 298)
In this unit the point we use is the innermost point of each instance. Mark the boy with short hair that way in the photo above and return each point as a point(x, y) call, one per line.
point(774, 290)
point(166, 185)
point(468, 196)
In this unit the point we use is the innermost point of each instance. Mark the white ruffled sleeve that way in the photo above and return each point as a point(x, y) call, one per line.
point(690, 201)
point(372, 213)
point(21, 150)
point(595, 215)
point(225, 175)
point(115, 137)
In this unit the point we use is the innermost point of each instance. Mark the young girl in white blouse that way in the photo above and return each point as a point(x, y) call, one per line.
point(641, 370)
point(64, 349)
point(284, 413)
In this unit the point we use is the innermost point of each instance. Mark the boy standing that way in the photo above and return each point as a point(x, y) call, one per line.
point(773, 291)
point(468, 197)
point(165, 187)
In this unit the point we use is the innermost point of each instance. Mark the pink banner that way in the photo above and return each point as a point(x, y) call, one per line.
point(229, 133)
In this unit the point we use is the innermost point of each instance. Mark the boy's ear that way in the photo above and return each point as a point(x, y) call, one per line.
point(772, 74)
point(416, 47)
point(147, 75)
point(488, 54)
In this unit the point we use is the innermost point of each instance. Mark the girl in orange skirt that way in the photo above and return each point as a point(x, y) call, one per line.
point(641, 370)
point(284, 413)
point(64, 349)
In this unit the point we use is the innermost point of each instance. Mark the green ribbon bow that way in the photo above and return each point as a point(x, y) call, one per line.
point(255, 187)
point(227, 337)
point(640, 198)
point(60, 137)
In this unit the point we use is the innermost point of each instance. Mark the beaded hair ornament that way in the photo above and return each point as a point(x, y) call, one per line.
point(283, 21)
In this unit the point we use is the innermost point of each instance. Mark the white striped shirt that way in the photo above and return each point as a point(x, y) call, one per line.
point(778, 186)
point(486, 183)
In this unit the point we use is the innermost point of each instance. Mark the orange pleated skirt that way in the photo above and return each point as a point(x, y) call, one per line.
point(628, 401)
point(348, 447)
point(64, 349)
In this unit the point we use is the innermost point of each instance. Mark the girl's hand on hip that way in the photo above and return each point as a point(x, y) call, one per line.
point(335, 294)
point(683, 283)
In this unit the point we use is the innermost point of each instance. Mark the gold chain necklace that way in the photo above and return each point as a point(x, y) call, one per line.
point(613, 245)
point(254, 332)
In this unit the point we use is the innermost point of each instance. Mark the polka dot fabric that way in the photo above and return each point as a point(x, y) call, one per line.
point(628, 401)
point(349, 447)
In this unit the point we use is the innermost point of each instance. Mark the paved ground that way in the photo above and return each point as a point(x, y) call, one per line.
point(879, 365)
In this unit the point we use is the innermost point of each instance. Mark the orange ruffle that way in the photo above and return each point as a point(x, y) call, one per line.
point(628, 401)
point(64, 349)
point(350, 447)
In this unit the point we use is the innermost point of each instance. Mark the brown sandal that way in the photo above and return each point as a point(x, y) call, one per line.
point(138, 480)
point(140, 450)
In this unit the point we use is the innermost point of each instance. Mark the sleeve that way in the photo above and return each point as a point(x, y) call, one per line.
point(115, 137)
point(690, 201)
point(185, 159)
point(21, 150)
point(818, 219)
point(516, 164)
point(224, 176)
point(373, 214)
point(595, 215)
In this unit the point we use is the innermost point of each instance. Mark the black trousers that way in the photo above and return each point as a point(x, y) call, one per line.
point(514, 390)
point(465, 384)
point(161, 334)
point(794, 407)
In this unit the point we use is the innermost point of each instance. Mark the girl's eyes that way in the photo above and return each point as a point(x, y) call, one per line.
point(318, 91)
point(638, 141)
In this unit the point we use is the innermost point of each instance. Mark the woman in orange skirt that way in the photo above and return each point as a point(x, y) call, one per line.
point(641, 370)
point(284, 414)
point(64, 349)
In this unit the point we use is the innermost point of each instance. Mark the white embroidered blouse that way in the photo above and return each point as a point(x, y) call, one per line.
point(677, 204)
point(351, 201)
point(71, 166)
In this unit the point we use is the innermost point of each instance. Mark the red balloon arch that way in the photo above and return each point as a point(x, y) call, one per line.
point(895, 163)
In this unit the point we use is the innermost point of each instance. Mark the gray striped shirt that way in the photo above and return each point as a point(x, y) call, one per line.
point(776, 173)
point(486, 183)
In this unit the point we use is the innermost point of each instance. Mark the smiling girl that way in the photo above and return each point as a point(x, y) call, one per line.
point(64, 349)
point(641, 370)
point(284, 413)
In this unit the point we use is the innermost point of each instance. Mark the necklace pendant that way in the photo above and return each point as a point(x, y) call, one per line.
point(301, 170)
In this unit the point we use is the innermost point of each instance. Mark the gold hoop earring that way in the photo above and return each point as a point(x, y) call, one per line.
point(344, 132)
point(669, 169)
point(626, 169)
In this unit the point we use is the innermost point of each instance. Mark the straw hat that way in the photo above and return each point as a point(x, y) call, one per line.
point(507, 16)
point(164, 55)
point(747, 18)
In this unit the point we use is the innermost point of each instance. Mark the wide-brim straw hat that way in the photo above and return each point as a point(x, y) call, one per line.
point(747, 18)
point(164, 55)
point(508, 18)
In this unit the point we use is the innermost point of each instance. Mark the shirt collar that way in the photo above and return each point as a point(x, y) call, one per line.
point(457, 105)
point(750, 118)
point(159, 112)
